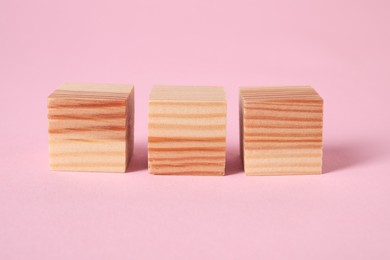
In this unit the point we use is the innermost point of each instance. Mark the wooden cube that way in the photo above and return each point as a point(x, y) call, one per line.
point(281, 130)
point(187, 130)
point(91, 127)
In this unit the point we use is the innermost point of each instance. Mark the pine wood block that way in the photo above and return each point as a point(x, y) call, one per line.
point(281, 130)
point(187, 130)
point(91, 127)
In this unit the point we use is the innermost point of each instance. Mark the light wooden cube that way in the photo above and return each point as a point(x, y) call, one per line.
point(187, 130)
point(91, 127)
point(281, 130)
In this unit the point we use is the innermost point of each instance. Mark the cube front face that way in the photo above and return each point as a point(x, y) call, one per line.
point(281, 130)
point(91, 127)
point(187, 131)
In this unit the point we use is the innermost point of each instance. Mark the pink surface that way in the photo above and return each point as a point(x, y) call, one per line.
point(339, 47)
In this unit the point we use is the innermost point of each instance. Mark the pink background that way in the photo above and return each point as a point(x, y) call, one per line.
point(342, 48)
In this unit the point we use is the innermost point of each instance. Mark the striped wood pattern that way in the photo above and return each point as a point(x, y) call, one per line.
point(187, 131)
point(281, 130)
point(91, 127)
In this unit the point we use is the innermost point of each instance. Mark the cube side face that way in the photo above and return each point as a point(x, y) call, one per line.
point(282, 137)
point(241, 130)
point(87, 134)
point(129, 127)
point(187, 138)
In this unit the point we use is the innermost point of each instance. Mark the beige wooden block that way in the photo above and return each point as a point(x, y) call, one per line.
point(91, 127)
point(187, 130)
point(281, 130)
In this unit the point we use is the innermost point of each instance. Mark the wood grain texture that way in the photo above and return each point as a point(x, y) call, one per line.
point(187, 130)
point(91, 127)
point(281, 130)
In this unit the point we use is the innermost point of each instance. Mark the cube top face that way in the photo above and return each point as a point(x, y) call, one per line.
point(281, 130)
point(187, 131)
point(93, 91)
point(188, 93)
point(91, 127)
point(293, 93)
